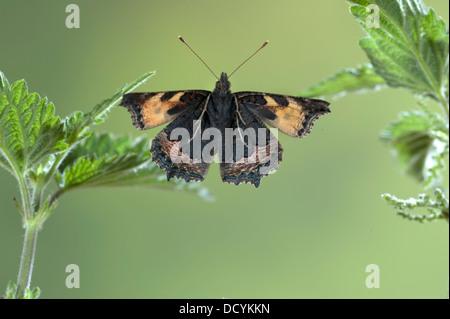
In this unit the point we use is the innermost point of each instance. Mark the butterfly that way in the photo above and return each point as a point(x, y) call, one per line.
point(207, 125)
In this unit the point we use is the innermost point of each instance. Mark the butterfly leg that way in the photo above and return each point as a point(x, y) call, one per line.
point(198, 125)
point(238, 114)
point(238, 111)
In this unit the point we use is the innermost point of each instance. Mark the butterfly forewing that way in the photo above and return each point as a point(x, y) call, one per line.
point(149, 110)
point(292, 115)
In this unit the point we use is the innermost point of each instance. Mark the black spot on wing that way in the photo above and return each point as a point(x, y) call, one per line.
point(168, 95)
point(253, 100)
point(265, 113)
point(280, 99)
point(187, 96)
point(176, 109)
point(132, 99)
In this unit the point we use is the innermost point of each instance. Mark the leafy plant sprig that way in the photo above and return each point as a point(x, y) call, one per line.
point(38, 148)
point(409, 48)
point(424, 201)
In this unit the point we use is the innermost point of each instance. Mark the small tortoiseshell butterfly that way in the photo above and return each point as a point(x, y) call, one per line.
point(221, 110)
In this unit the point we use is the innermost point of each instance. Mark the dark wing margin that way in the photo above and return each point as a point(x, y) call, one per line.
point(149, 110)
point(292, 115)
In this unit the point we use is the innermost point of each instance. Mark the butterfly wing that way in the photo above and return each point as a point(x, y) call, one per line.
point(168, 152)
point(149, 110)
point(253, 155)
point(292, 115)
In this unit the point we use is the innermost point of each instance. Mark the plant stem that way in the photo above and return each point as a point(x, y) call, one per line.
point(444, 104)
point(29, 244)
point(27, 259)
point(24, 194)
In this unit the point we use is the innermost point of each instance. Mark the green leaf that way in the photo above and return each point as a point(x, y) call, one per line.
point(76, 126)
point(100, 159)
point(79, 122)
point(98, 113)
point(437, 208)
point(29, 131)
point(419, 141)
point(44, 211)
point(358, 80)
point(27, 294)
point(105, 160)
point(35, 293)
point(10, 290)
point(410, 47)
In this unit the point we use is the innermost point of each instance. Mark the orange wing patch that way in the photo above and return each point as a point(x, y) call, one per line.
point(292, 115)
point(156, 112)
point(149, 110)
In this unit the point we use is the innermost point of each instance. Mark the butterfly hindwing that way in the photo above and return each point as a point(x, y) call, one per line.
point(168, 152)
point(260, 156)
point(292, 115)
point(149, 110)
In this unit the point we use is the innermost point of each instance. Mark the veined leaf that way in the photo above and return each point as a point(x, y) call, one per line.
point(419, 141)
point(100, 158)
point(409, 48)
point(76, 126)
point(29, 131)
point(346, 81)
point(437, 208)
point(104, 160)
point(98, 113)
point(79, 122)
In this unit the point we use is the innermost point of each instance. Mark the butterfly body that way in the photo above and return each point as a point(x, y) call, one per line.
point(220, 107)
point(232, 122)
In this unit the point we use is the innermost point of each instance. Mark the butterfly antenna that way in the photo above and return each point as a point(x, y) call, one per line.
point(182, 40)
point(264, 44)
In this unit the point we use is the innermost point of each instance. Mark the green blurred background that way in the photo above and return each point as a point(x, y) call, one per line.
point(308, 231)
